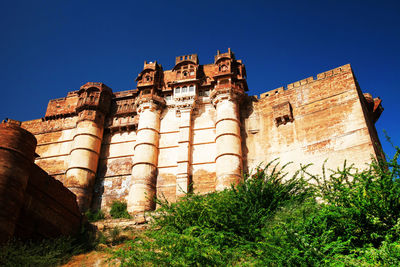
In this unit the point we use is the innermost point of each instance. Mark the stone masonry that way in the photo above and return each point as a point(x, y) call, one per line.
point(195, 126)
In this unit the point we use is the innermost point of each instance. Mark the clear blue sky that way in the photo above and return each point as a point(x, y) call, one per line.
point(48, 48)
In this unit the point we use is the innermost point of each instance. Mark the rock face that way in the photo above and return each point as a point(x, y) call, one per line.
point(195, 126)
point(32, 203)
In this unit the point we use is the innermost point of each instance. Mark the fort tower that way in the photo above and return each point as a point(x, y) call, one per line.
point(194, 127)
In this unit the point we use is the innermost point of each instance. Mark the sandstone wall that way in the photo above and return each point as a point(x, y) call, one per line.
point(49, 209)
point(114, 170)
point(326, 122)
point(33, 204)
point(55, 140)
point(310, 121)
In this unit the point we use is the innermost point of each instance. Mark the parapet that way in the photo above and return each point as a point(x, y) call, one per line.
point(192, 57)
point(220, 55)
point(320, 76)
point(33, 204)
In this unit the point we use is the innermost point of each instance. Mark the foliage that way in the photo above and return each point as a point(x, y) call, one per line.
point(118, 210)
point(356, 221)
point(217, 228)
point(94, 216)
point(47, 252)
point(345, 218)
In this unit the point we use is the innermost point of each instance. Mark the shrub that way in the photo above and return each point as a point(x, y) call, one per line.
point(217, 228)
point(47, 252)
point(94, 216)
point(357, 222)
point(270, 219)
point(118, 210)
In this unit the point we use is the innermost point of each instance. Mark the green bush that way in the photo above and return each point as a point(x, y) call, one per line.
point(218, 228)
point(94, 216)
point(47, 252)
point(272, 220)
point(118, 210)
point(357, 221)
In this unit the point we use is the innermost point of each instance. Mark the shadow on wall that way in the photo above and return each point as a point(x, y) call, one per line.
point(246, 111)
point(33, 204)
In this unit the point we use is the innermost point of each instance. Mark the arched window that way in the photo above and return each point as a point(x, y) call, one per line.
point(184, 89)
point(191, 88)
point(177, 90)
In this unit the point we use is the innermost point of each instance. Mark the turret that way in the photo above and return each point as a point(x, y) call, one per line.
point(185, 88)
point(92, 108)
point(226, 97)
point(149, 105)
point(17, 152)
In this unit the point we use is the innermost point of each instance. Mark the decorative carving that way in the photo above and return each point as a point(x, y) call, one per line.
point(94, 96)
point(282, 113)
point(150, 76)
point(374, 107)
point(230, 93)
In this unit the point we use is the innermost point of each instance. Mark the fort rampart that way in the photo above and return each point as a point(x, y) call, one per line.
point(32, 203)
point(195, 126)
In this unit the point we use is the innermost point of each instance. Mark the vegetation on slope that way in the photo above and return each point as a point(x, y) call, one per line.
point(344, 217)
point(48, 252)
point(270, 219)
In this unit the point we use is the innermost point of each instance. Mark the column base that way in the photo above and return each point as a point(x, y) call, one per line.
point(226, 181)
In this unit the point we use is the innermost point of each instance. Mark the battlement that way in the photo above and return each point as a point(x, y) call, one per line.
point(320, 76)
point(220, 55)
point(126, 93)
point(72, 93)
point(98, 85)
point(192, 57)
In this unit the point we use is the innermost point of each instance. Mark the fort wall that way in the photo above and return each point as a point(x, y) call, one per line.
point(325, 121)
point(32, 203)
point(195, 126)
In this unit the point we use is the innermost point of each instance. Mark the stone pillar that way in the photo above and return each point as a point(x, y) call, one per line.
point(92, 107)
point(17, 150)
point(144, 169)
point(228, 140)
point(185, 147)
point(84, 157)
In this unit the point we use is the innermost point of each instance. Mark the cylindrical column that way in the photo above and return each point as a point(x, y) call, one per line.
point(144, 170)
point(17, 150)
point(228, 140)
point(84, 157)
point(184, 159)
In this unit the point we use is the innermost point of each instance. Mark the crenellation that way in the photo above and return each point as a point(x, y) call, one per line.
point(320, 76)
point(195, 124)
point(273, 92)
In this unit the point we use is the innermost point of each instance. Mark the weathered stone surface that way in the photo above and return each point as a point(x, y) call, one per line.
point(32, 203)
point(195, 125)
